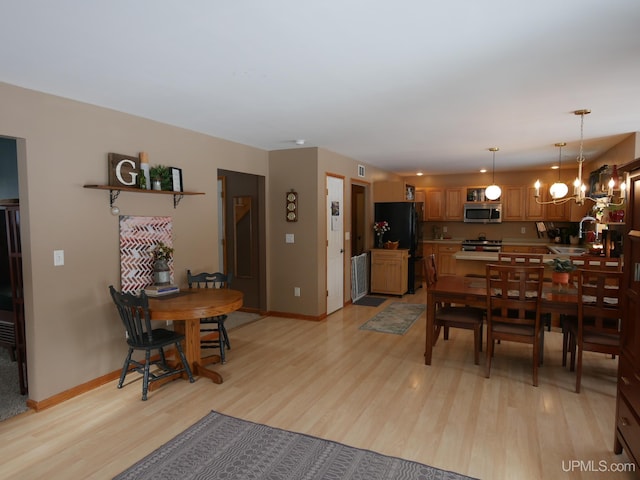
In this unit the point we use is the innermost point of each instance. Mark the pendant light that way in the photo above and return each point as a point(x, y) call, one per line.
point(493, 191)
point(559, 190)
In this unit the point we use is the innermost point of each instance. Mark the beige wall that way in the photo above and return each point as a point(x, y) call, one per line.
point(73, 334)
point(303, 264)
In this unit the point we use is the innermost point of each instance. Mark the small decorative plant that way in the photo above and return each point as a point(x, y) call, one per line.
point(561, 265)
point(162, 173)
point(162, 252)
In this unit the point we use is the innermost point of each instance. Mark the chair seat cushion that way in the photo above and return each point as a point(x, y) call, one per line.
point(514, 329)
point(464, 315)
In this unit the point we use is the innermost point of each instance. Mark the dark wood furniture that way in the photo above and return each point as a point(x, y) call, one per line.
point(186, 309)
point(473, 292)
point(12, 318)
point(216, 335)
point(598, 325)
point(514, 295)
point(459, 316)
point(134, 313)
point(627, 431)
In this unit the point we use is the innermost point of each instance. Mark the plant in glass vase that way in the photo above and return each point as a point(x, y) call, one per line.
point(161, 255)
point(380, 228)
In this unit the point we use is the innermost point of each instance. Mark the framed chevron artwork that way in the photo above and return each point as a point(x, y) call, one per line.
point(138, 236)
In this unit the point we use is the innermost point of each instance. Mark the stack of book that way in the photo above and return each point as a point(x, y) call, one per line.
point(159, 290)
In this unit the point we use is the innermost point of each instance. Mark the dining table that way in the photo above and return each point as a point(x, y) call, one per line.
point(472, 291)
point(185, 309)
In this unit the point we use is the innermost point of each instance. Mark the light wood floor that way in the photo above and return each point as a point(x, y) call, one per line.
point(366, 389)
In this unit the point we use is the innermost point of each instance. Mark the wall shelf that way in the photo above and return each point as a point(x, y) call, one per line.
point(114, 191)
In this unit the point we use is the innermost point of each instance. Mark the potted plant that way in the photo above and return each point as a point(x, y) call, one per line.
point(561, 268)
point(161, 255)
point(160, 177)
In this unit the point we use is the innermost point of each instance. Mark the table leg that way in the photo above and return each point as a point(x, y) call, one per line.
point(431, 313)
point(191, 330)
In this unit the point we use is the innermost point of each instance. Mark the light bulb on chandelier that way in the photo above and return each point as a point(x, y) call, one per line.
point(493, 191)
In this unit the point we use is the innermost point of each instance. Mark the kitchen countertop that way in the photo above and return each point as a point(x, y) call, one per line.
point(493, 256)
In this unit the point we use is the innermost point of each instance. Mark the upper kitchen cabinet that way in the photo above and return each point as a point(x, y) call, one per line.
point(434, 204)
point(393, 191)
point(454, 204)
point(512, 204)
point(533, 210)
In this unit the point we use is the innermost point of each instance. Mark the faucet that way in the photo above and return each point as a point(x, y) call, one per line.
point(584, 220)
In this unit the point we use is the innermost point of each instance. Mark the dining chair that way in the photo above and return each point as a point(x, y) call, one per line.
point(583, 262)
point(599, 317)
point(513, 258)
point(215, 333)
point(514, 294)
point(134, 313)
point(454, 316)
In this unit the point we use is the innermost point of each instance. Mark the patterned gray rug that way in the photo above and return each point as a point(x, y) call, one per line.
point(396, 318)
point(219, 446)
point(11, 402)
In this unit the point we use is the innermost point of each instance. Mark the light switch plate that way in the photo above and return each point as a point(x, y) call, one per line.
point(58, 258)
point(289, 238)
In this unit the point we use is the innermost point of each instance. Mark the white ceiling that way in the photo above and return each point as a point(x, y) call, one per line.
point(406, 85)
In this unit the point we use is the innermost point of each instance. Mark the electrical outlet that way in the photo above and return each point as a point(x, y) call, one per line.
point(523, 230)
point(444, 229)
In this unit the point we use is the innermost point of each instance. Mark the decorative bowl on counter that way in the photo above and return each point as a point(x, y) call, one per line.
point(391, 245)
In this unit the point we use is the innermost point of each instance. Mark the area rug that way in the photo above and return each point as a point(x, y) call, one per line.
point(11, 402)
point(370, 301)
point(224, 447)
point(397, 318)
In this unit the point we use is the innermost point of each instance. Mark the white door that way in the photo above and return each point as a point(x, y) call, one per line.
point(335, 243)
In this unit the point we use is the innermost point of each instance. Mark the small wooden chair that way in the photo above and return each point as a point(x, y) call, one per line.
point(212, 324)
point(514, 294)
point(134, 313)
point(599, 316)
point(448, 316)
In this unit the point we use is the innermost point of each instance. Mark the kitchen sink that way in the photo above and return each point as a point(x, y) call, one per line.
point(568, 250)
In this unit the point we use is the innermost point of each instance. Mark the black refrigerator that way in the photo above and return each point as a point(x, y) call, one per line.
point(404, 226)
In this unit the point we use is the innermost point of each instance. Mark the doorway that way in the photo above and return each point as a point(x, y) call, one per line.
point(242, 235)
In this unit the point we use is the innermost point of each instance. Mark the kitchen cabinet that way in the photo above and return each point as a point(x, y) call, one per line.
point(513, 203)
point(533, 210)
point(393, 191)
point(627, 421)
point(445, 258)
point(389, 271)
point(434, 206)
point(454, 204)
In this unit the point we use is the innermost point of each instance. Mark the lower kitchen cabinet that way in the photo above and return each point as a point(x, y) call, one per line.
point(446, 260)
point(389, 271)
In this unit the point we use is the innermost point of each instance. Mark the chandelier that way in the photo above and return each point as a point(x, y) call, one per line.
point(559, 190)
point(493, 191)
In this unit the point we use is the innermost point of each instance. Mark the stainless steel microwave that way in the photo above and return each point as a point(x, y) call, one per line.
point(483, 212)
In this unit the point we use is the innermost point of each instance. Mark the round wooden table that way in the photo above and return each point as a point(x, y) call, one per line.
point(186, 309)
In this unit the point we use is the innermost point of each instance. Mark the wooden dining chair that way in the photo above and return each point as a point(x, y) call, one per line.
point(513, 258)
point(215, 332)
point(134, 313)
point(599, 317)
point(454, 316)
point(514, 295)
point(583, 262)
